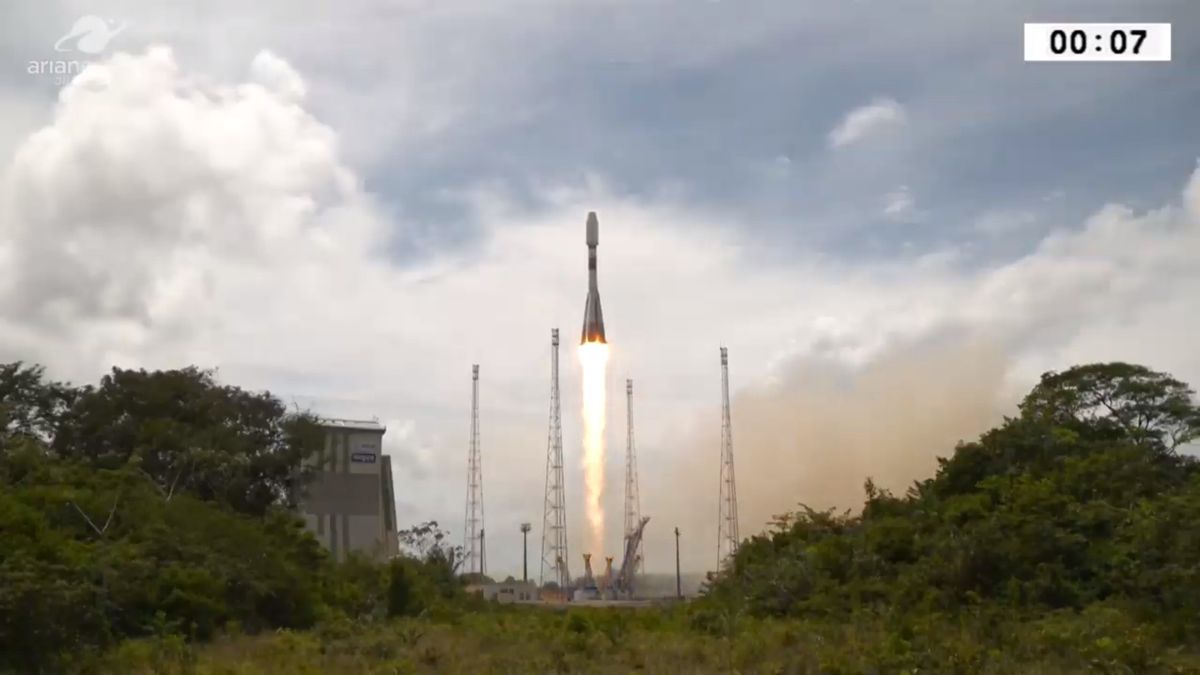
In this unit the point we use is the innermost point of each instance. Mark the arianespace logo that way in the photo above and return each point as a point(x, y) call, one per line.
point(89, 36)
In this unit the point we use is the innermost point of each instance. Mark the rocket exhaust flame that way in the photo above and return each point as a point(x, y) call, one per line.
point(593, 358)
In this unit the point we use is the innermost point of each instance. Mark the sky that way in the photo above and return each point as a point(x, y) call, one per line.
point(893, 223)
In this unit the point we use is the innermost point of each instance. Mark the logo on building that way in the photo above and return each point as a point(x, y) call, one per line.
point(362, 457)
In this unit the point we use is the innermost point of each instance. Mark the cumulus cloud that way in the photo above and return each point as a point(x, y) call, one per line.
point(278, 76)
point(873, 118)
point(898, 203)
point(146, 180)
point(160, 219)
point(1191, 196)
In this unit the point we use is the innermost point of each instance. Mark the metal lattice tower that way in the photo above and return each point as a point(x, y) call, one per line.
point(633, 495)
point(554, 519)
point(727, 524)
point(473, 542)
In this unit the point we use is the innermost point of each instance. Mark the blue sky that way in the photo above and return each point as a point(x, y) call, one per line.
point(893, 222)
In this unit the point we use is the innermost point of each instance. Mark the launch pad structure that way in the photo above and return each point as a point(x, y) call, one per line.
point(727, 520)
point(613, 585)
point(554, 515)
point(633, 496)
point(474, 556)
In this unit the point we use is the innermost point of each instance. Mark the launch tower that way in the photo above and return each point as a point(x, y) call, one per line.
point(633, 498)
point(554, 518)
point(727, 523)
point(473, 542)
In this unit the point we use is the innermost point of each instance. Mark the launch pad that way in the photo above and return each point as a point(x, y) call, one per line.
point(610, 587)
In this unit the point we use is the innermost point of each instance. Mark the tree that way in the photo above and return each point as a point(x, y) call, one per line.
point(70, 581)
point(427, 542)
point(30, 407)
point(1128, 400)
point(189, 433)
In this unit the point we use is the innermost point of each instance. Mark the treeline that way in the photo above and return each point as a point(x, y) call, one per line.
point(154, 510)
point(161, 503)
point(1085, 506)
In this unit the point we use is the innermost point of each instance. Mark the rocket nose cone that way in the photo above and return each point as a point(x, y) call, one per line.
point(593, 229)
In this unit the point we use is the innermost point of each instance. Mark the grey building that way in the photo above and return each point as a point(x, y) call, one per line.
point(507, 591)
point(349, 505)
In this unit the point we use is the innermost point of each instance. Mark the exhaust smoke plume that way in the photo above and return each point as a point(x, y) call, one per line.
point(819, 429)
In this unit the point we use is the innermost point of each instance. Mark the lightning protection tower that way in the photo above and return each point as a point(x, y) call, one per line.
point(554, 518)
point(633, 497)
point(473, 542)
point(727, 523)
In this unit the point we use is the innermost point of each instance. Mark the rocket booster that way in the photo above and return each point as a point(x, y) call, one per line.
point(593, 318)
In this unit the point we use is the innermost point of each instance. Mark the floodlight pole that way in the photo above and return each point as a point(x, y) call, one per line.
point(678, 581)
point(525, 527)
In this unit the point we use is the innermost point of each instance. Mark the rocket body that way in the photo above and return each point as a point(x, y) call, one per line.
point(593, 317)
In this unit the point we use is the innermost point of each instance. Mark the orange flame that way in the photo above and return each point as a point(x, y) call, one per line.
point(593, 358)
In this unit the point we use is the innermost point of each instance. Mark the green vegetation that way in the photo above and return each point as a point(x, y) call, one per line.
point(159, 504)
point(145, 527)
point(1075, 524)
point(533, 640)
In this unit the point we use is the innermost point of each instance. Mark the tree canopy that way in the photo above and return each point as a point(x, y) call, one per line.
point(185, 430)
point(1127, 401)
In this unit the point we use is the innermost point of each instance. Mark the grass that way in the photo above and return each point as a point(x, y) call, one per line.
point(515, 640)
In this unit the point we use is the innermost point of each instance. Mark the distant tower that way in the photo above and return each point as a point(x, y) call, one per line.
point(473, 542)
point(727, 525)
point(633, 496)
point(554, 519)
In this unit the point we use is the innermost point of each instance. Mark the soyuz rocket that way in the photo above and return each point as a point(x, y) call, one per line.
point(593, 318)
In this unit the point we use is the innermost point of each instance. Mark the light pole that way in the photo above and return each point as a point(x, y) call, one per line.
point(525, 528)
point(678, 582)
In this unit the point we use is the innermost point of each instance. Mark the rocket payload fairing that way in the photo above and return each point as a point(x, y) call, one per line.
point(593, 318)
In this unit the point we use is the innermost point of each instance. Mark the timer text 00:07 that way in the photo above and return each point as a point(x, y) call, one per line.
point(1076, 41)
point(1097, 42)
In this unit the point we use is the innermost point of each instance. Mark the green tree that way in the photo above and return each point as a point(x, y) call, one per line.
point(30, 407)
point(89, 556)
point(189, 433)
point(1132, 401)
